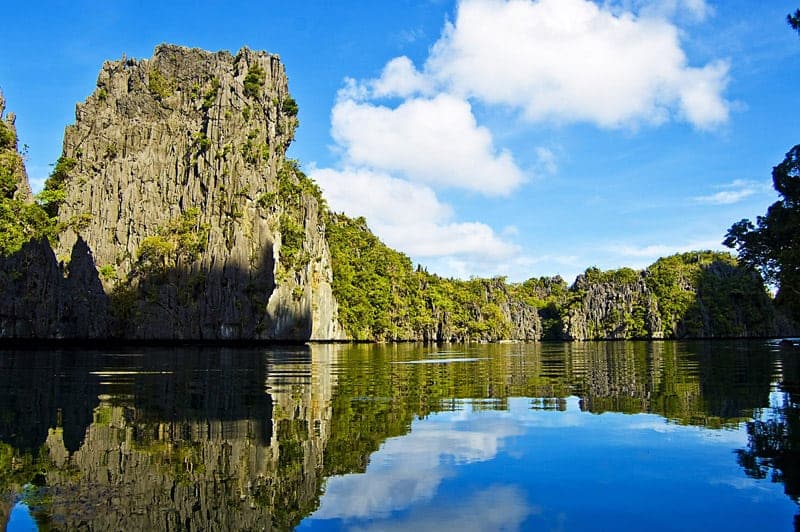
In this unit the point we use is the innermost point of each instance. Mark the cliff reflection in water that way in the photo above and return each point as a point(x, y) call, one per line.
point(175, 439)
point(244, 439)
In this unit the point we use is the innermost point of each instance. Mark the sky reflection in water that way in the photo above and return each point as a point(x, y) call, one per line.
point(552, 470)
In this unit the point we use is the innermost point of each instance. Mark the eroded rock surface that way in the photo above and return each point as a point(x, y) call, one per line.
point(198, 224)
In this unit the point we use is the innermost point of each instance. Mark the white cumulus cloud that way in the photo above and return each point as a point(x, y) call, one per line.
point(429, 140)
point(408, 216)
point(576, 61)
point(379, 197)
point(411, 132)
point(400, 78)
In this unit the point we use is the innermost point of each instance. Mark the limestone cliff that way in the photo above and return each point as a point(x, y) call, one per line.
point(176, 215)
point(21, 219)
point(494, 314)
point(38, 298)
point(701, 294)
point(610, 308)
point(175, 175)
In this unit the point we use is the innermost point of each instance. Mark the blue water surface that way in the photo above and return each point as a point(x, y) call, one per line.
point(525, 469)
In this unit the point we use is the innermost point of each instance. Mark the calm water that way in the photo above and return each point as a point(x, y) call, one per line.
point(605, 436)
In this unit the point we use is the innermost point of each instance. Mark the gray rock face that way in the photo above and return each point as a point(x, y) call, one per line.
point(711, 299)
point(611, 310)
point(179, 189)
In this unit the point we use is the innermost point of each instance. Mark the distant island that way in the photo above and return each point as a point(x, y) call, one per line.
point(173, 213)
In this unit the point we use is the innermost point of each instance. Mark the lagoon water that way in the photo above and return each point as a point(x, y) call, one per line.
point(582, 436)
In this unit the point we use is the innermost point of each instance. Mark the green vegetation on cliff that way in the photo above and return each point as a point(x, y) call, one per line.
point(772, 245)
point(698, 294)
point(706, 291)
point(265, 228)
point(21, 222)
point(376, 287)
point(179, 241)
point(382, 297)
point(21, 219)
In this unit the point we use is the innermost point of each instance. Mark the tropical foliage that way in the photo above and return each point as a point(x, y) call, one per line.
point(772, 244)
point(20, 220)
point(179, 241)
point(382, 297)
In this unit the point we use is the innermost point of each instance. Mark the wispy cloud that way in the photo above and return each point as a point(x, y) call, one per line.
point(734, 192)
point(409, 36)
point(546, 160)
point(638, 255)
point(662, 250)
point(691, 10)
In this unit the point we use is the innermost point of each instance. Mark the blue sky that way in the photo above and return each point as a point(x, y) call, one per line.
point(481, 137)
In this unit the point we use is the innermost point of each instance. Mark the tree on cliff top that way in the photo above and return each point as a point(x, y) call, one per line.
point(772, 245)
point(794, 20)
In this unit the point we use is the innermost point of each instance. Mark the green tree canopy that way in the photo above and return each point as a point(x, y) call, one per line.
point(794, 20)
point(772, 244)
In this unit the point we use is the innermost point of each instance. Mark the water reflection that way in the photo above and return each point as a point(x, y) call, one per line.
point(773, 437)
point(250, 439)
point(170, 439)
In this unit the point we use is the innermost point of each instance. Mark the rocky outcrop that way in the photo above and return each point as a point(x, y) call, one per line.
point(495, 315)
point(176, 215)
point(690, 295)
point(177, 180)
point(611, 309)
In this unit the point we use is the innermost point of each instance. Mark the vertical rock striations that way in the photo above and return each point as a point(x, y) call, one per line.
point(611, 306)
point(175, 176)
point(176, 215)
point(701, 294)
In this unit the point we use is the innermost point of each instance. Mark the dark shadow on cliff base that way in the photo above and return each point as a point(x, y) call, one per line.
point(44, 301)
